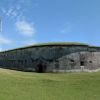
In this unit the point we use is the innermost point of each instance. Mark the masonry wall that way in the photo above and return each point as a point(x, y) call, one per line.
point(51, 58)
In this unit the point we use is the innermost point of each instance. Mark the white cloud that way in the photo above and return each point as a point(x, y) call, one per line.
point(12, 12)
point(17, 11)
point(4, 41)
point(25, 28)
point(9, 12)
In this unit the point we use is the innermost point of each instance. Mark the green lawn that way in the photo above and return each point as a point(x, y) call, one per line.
point(15, 85)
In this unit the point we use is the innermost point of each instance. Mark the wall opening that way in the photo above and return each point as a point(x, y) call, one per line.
point(82, 63)
point(40, 68)
point(71, 60)
point(90, 61)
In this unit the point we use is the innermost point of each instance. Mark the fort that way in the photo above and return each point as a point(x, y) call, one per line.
point(52, 57)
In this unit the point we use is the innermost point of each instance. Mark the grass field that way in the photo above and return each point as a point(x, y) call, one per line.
point(15, 85)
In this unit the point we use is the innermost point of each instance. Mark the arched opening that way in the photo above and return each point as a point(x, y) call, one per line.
point(40, 68)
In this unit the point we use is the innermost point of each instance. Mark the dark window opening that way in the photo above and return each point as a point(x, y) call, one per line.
point(90, 61)
point(82, 63)
point(72, 60)
point(50, 60)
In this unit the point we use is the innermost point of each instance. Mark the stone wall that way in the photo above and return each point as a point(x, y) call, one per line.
point(51, 58)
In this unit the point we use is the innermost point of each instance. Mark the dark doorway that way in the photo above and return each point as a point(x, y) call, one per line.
point(82, 63)
point(40, 68)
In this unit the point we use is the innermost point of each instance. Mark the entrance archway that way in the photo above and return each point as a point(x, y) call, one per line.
point(40, 68)
point(82, 65)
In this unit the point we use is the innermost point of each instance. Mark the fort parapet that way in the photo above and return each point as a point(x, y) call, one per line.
point(52, 57)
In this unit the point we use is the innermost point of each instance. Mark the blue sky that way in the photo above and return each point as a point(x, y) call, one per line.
point(26, 22)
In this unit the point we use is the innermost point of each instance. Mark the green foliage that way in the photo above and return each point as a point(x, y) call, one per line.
point(15, 85)
point(48, 44)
